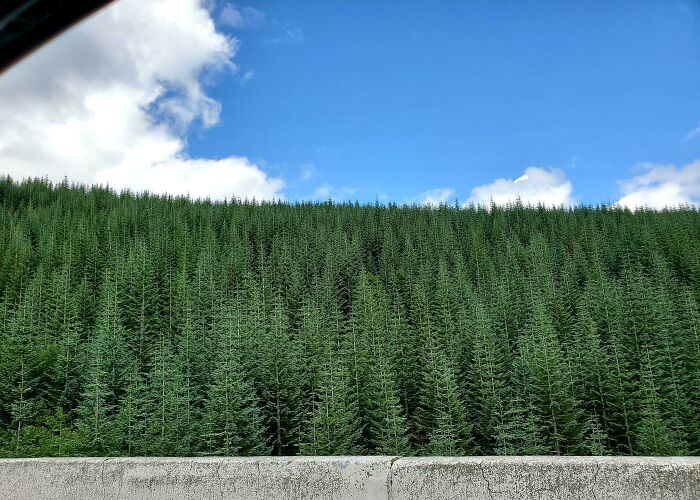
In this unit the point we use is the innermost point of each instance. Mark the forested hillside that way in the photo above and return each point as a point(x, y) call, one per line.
point(141, 325)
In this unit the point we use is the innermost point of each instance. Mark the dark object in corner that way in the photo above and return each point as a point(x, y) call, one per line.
point(27, 24)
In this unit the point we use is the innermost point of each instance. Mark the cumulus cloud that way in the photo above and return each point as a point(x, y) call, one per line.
point(662, 186)
point(437, 197)
point(549, 187)
point(111, 101)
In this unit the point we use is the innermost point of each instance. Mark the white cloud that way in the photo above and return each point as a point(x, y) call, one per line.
point(199, 177)
point(549, 187)
point(661, 186)
point(308, 172)
point(247, 76)
point(383, 197)
point(692, 135)
point(327, 192)
point(110, 101)
point(288, 32)
point(323, 192)
point(437, 197)
point(241, 18)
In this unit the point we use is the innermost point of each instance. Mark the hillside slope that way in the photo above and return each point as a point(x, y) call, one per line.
point(141, 325)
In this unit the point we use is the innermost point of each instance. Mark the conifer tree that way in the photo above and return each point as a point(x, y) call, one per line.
point(381, 412)
point(166, 419)
point(689, 323)
point(442, 428)
point(233, 421)
point(140, 304)
point(65, 326)
point(280, 385)
point(130, 419)
point(668, 342)
point(150, 325)
point(654, 435)
point(557, 407)
point(189, 359)
point(489, 379)
point(108, 365)
point(590, 365)
point(309, 349)
point(333, 427)
point(18, 384)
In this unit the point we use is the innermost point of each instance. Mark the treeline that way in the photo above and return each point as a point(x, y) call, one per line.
point(145, 325)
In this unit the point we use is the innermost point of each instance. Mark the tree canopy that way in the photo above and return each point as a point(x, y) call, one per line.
point(134, 324)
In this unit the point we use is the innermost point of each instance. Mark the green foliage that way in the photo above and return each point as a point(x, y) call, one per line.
point(145, 325)
point(334, 425)
point(233, 421)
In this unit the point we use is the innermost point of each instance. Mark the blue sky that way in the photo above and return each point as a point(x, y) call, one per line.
point(393, 100)
point(408, 101)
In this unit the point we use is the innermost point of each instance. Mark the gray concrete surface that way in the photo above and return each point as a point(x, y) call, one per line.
point(544, 478)
point(489, 478)
point(197, 478)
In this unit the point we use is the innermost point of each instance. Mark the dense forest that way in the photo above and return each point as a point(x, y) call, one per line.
point(147, 325)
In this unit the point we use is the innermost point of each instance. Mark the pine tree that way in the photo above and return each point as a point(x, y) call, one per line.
point(107, 367)
point(441, 426)
point(166, 420)
point(140, 304)
point(280, 383)
point(65, 326)
point(333, 427)
point(130, 419)
point(233, 421)
point(489, 384)
point(557, 407)
point(653, 435)
point(145, 324)
point(591, 366)
point(381, 412)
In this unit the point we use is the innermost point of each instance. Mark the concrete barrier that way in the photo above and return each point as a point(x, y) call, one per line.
point(197, 478)
point(544, 478)
point(489, 478)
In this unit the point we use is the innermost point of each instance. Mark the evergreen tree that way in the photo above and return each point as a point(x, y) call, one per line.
point(381, 412)
point(654, 435)
point(280, 384)
point(233, 421)
point(108, 365)
point(137, 324)
point(557, 407)
point(333, 427)
point(489, 385)
point(441, 422)
point(130, 419)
